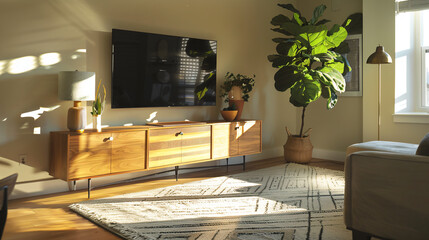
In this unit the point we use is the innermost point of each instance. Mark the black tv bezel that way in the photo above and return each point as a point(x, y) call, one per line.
point(165, 106)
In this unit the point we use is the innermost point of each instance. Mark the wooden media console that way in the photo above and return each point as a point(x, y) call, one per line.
point(127, 149)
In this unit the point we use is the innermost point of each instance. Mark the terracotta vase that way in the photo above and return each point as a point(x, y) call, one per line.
point(235, 93)
point(239, 104)
point(96, 122)
point(298, 149)
point(229, 115)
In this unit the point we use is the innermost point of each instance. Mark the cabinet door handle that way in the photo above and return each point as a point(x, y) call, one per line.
point(108, 139)
point(236, 128)
point(179, 133)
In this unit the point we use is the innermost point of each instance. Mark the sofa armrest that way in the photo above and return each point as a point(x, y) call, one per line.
point(387, 194)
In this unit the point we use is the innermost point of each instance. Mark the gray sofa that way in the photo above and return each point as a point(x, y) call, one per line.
point(386, 191)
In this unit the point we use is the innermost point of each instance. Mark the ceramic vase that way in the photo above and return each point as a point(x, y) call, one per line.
point(96, 122)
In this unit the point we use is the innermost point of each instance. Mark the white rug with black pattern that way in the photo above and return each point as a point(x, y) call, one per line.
point(288, 201)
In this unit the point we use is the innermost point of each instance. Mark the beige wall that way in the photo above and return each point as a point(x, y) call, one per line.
point(32, 28)
point(335, 129)
point(379, 28)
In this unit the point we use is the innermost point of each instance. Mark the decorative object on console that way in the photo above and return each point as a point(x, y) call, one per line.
point(98, 108)
point(229, 113)
point(379, 57)
point(236, 89)
point(307, 63)
point(76, 86)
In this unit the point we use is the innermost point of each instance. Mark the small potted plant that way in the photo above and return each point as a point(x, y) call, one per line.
point(229, 113)
point(236, 89)
point(98, 108)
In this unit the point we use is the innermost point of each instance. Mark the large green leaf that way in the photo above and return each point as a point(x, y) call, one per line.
point(336, 36)
point(339, 66)
point(297, 19)
point(332, 100)
point(340, 63)
point(331, 77)
point(323, 57)
point(284, 47)
point(305, 91)
point(286, 77)
point(312, 36)
point(319, 49)
point(279, 60)
point(281, 30)
point(318, 11)
point(279, 20)
point(280, 40)
point(291, 27)
point(342, 48)
point(326, 91)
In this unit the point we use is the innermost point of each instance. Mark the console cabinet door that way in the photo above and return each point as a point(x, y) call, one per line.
point(236, 131)
point(220, 140)
point(195, 143)
point(89, 155)
point(250, 140)
point(165, 147)
point(128, 151)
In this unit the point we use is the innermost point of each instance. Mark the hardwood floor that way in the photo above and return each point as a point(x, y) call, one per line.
point(48, 216)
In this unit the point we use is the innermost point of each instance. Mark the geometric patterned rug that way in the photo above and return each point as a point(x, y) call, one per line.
point(289, 201)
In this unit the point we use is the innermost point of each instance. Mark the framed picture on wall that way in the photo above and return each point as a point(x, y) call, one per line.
point(354, 77)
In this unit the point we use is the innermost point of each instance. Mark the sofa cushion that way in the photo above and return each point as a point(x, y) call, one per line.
point(385, 146)
point(423, 148)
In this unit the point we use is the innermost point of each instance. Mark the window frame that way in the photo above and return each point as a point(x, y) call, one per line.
point(424, 103)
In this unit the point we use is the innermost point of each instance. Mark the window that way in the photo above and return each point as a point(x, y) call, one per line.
point(412, 57)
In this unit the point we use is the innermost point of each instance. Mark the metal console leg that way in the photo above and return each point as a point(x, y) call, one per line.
point(244, 162)
point(227, 164)
point(89, 187)
point(176, 170)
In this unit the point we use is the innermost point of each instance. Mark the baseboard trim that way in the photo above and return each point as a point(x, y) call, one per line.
point(329, 155)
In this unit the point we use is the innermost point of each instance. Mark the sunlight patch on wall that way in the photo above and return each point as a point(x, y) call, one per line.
point(152, 116)
point(78, 53)
point(2, 67)
point(4, 120)
point(48, 59)
point(128, 124)
point(37, 130)
point(38, 113)
point(24, 126)
point(22, 65)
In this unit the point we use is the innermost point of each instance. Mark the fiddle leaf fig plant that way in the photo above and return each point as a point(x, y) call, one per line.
point(306, 59)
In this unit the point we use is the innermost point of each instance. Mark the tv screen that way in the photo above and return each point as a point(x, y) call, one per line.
point(154, 70)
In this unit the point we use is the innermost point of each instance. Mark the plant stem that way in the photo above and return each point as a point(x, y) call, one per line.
point(302, 121)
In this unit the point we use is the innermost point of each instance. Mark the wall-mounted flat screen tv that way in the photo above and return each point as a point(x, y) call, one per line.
point(154, 70)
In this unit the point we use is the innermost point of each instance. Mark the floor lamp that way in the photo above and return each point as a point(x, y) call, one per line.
point(379, 57)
